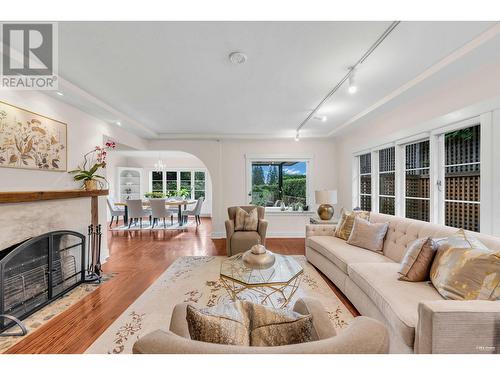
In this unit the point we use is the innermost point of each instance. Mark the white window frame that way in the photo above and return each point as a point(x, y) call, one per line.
point(359, 175)
point(178, 171)
point(436, 170)
point(402, 174)
point(396, 206)
point(250, 158)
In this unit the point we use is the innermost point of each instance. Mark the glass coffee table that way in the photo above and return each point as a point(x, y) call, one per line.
point(280, 280)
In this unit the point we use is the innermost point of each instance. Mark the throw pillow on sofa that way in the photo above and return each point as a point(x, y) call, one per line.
point(346, 222)
point(465, 269)
point(417, 262)
point(248, 324)
point(246, 221)
point(368, 235)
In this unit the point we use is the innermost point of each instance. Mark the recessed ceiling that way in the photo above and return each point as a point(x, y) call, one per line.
point(175, 78)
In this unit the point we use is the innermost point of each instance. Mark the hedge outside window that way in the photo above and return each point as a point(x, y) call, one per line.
point(274, 182)
point(169, 182)
point(157, 181)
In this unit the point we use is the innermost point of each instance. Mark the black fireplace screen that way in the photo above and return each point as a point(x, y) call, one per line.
point(39, 270)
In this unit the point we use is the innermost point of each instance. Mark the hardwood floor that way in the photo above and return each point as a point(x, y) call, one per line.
point(137, 259)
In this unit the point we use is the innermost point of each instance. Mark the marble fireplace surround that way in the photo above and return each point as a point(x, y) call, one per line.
point(28, 214)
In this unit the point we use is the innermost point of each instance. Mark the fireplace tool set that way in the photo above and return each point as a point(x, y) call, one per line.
point(94, 271)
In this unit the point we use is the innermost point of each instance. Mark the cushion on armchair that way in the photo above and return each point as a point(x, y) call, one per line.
point(246, 221)
point(247, 324)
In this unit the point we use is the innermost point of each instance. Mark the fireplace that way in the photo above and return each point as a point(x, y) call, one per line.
point(37, 271)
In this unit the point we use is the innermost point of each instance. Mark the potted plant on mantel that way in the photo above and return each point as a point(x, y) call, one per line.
point(93, 161)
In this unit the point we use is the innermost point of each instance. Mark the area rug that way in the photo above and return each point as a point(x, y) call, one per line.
point(196, 280)
point(49, 312)
point(146, 225)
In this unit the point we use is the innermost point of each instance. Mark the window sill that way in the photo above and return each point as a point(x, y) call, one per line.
point(278, 212)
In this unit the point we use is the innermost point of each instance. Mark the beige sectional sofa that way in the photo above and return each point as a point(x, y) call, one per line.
point(418, 318)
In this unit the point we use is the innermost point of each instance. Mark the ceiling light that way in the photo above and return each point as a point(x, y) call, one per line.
point(352, 84)
point(237, 58)
point(59, 93)
point(118, 123)
point(297, 137)
point(320, 118)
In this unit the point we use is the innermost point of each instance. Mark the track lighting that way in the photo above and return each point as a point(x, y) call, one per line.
point(320, 118)
point(297, 136)
point(352, 84)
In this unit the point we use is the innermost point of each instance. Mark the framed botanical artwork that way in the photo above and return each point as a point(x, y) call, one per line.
point(31, 141)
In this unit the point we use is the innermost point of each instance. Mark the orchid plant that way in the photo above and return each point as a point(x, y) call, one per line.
point(93, 160)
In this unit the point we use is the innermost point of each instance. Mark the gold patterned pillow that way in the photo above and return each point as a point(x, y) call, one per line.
point(248, 324)
point(226, 324)
point(417, 262)
point(274, 327)
point(346, 222)
point(246, 221)
point(465, 269)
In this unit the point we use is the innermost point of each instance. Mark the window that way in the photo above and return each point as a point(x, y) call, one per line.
point(365, 182)
point(157, 181)
point(185, 180)
point(417, 181)
point(430, 177)
point(387, 177)
point(171, 182)
point(462, 178)
point(274, 182)
point(199, 184)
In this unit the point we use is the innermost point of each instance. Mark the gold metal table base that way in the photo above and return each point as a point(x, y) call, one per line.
point(266, 290)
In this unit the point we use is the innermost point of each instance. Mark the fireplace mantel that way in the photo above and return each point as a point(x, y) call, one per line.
point(33, 196)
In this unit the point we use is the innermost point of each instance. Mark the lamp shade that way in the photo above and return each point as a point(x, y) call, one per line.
point(326, 196)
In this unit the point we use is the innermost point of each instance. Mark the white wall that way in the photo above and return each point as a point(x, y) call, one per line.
point(225, 161)
point(462, 98)
point(84, 133)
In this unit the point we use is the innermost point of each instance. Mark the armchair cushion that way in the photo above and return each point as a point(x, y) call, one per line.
point(243, 241)
point(226, 324)
point(245, 323)
point(246, 221)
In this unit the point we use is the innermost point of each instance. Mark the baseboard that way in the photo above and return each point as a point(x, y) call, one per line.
point(218, 235)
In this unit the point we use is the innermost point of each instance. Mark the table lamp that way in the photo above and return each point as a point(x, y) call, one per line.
point(325, 199)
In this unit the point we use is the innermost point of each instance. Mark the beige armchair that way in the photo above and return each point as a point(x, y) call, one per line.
point(363, 336)
point(241, 241)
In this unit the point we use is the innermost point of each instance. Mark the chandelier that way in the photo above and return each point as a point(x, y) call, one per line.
point(159, 164)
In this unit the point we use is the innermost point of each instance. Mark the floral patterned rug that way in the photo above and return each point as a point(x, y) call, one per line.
point(196, 280)
point(37, 319)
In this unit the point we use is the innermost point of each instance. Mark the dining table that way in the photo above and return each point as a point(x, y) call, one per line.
point(177, 202)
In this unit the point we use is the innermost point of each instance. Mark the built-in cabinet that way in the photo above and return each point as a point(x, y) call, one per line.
point(129, 183)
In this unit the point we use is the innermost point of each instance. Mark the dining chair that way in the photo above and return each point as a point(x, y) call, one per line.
point(159, 211)
point(115, 211)
point(196, 211)
point(136, 211)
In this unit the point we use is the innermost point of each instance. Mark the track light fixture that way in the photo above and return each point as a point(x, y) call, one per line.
point(352, 83)
point(349, 76)
point(297, 136)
